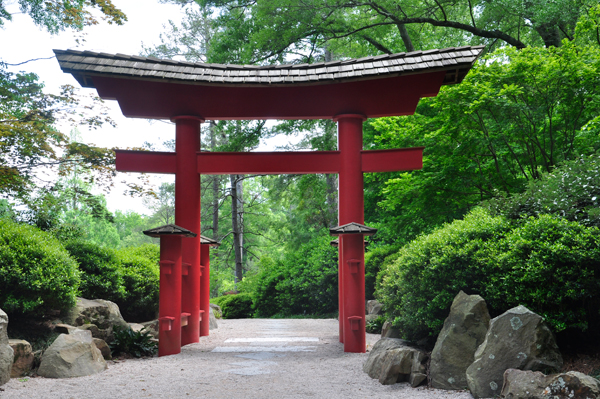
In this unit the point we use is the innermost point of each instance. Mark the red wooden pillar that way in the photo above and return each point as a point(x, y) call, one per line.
point(204, 289)
point(205, 245)
point(340, 287)
point(351, 209)
point(169, 305)
point(187, 215)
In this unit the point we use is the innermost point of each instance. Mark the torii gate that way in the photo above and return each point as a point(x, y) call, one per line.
point(346, 91)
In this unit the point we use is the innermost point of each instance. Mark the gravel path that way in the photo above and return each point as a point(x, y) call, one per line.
point(251, 358)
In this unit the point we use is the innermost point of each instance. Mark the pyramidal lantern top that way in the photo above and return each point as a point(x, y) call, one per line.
point(169, 230)
point(352, 228)
point(209, 241)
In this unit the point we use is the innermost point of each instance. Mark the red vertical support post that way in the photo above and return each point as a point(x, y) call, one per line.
point(340, 286)
point(187, 215)
point(351, 209)
point(204, 289)
point(169, 307)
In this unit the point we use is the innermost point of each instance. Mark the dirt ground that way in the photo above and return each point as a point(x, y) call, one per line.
point(248, 358)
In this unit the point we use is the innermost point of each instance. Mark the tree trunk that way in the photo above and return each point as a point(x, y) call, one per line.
point(550, 34)
point(239, 272)
point(406, 38)
point(215, 186)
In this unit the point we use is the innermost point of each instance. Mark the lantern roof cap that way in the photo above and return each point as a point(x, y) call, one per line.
point(169, 230)
point(352, 228)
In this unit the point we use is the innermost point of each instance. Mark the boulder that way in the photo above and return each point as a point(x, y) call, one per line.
point(387, 331)
point(23, 357)
point(392, 360)
point(464, 330)
point(524, 384)
point(217, 310)
point(212, 320)
point(572, 385)
point(103, 348)
point(72, 355)
point(6, 352)
point(374, 307)
point(518, 339)
point(136, 326)
point(103, 314)
point(62, 328)
point(151, 327)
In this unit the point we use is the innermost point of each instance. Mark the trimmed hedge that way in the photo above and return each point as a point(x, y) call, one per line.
point(141, 278)
point(550, 265)
point(238, 306)
point(101, 276)
point(36, 273)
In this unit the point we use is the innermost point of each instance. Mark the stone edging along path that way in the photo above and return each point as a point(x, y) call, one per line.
point(248, 358)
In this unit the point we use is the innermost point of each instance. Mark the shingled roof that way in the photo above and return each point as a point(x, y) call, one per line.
point(84, 65)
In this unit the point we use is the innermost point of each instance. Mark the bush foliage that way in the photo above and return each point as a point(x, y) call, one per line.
point(129, 276)
point(36, 273)
point(548, 264)
point(304, 282)
point(237, 306)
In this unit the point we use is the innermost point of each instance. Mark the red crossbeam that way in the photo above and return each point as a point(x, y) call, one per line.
point(145, 161)
point(224, 163)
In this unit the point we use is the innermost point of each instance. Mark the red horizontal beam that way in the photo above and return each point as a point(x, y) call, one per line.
point(244, 163)
point(145, 161)
point(224, 163)
point(392, 160)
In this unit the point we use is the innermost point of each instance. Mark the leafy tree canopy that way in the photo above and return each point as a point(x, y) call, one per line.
point(57, 15)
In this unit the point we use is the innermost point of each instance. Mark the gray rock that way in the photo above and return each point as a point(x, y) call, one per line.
point(103, 348)
point(572, 385)
point(72, 355)
point(374, 307)
point(217, 310)
point(387, 331)
point(62, 328)
point(371, 317)
point(6, 352)
point(151, 327)
point(103, 314)
point(136, 326)
point(464, 330)
point(524, 384)
point(392, 360)
point(212, 320)
point(518, 339)
point(23, 357)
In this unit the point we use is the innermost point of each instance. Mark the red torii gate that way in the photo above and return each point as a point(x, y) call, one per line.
point(346, 91)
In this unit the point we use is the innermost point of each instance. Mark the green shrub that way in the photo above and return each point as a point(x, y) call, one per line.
point(36, 273)
point(375, 326)
point(141, 277)
point(552, 266)
point(375, 259)
point(304, 282)
point(549, 265)
point(135, 343)
point(101, 275)
point(418, 288)
point(238, 306)
point(571, 191)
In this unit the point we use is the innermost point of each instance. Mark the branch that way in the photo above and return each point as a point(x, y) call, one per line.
point(34, 59)
point(377, 45)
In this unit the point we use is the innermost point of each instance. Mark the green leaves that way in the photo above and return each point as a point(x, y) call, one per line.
point(36, 273)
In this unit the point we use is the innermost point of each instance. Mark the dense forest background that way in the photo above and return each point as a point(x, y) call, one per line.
point(508, 195)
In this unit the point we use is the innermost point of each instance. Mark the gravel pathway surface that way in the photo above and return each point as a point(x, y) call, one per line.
point(251, 358)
